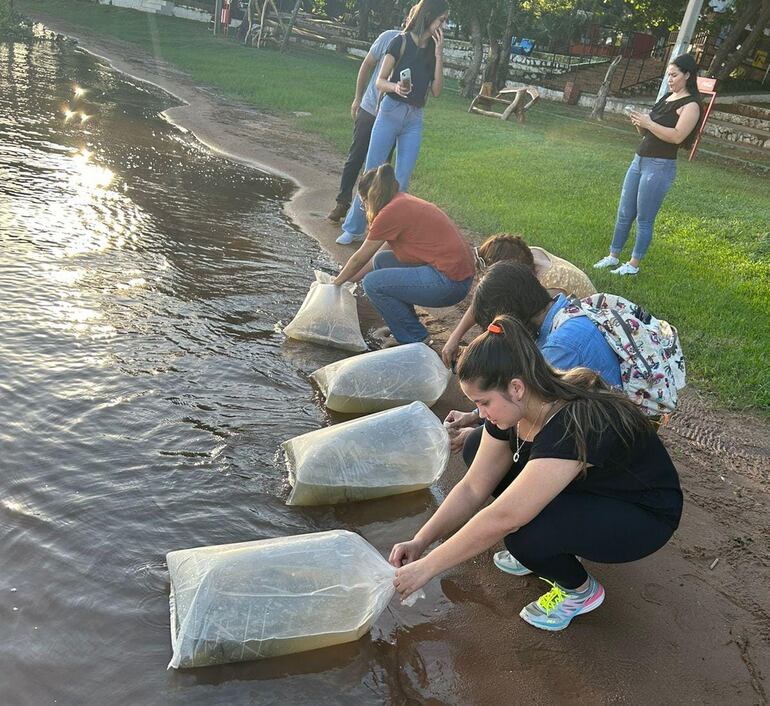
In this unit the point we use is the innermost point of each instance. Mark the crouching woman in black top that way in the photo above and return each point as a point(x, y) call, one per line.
point(575, 470)
point(672, 123)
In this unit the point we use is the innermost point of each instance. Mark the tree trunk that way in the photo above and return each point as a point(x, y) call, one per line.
point(490, 70)
point(747, 12)
point(601, 97)
point(471, 75)
point(290, 26)
point(389, 16)
point(504, 62)
point(363, 19)
point(736, 58)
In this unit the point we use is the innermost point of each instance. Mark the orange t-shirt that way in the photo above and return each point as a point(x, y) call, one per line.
point(420, 233)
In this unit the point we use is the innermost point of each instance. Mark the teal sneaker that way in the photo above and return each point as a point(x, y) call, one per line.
point(555, 609)
point(510, 564)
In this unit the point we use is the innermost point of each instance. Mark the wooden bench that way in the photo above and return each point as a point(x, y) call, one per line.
point(509, 101)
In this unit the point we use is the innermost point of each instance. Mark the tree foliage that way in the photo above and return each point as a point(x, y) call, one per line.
point(13, 26)
point(555, 25)
point(736, 47)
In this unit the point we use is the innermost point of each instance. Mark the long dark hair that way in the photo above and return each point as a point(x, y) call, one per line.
point(492, 360)
point(687, 65)
point(510, 289)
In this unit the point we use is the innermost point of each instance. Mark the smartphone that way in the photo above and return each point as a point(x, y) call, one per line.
point(406, 79)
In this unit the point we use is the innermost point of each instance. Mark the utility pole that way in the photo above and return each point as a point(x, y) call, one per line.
point(218, 16)
point(686, 30)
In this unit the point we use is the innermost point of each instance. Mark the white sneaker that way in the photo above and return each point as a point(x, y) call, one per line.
point(510, 564)
point(626, 269)
point(608, 261)
point(348, 238)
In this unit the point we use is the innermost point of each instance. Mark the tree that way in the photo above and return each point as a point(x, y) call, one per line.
point(471, 74)
point(468, 14)
point(363, 19)
point(504, 60)
point(751, 12)
point(290, 26)
point(601, 97)
point(498, 54)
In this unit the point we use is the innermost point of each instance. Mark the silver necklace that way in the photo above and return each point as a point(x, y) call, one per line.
point(520, 444)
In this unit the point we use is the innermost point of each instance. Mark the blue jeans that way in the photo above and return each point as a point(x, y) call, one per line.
point(394, 288)
point(647, 182)
point(398, 124)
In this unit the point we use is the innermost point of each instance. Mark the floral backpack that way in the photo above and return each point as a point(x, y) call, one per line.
point(652, 367)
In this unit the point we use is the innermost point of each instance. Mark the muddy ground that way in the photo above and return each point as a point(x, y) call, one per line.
point(691, 624)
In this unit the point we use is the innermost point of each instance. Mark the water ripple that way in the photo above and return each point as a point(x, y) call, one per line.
point(144, 388)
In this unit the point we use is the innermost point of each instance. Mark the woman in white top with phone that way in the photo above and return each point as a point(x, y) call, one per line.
point(412, 66)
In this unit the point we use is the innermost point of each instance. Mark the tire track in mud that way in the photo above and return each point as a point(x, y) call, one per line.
point(724, 462)
point(734, 434)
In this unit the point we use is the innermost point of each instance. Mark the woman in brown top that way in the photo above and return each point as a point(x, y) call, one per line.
point(555, 274)
point(427, 263)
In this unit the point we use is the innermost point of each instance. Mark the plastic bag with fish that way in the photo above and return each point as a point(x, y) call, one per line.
point(383, 379)
point(328, 316)
point(253, 600)
point(396, 451)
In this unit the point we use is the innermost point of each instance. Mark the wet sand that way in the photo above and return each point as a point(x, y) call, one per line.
point(672, 629)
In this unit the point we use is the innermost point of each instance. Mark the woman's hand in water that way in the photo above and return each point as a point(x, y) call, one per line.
point(438, 38)
point(405, 553)
point(412, 577)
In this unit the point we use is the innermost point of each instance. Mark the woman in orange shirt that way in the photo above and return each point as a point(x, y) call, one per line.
point(428, 263)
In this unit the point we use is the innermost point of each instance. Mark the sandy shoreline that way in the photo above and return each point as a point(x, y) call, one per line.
point(672, 629)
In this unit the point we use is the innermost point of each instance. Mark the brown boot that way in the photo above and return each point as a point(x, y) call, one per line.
point(338, 212)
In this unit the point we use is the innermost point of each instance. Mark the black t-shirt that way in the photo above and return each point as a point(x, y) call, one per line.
point(641, 473)
point(664, 113)
point(420, 61)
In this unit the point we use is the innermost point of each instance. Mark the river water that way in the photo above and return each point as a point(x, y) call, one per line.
point(144, 392)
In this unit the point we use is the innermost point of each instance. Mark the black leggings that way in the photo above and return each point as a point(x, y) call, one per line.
point(594, 527)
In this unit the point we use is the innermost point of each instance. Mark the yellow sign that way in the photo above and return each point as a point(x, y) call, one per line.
point(760, 59)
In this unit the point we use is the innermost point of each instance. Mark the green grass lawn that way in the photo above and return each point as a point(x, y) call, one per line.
point(555, 180)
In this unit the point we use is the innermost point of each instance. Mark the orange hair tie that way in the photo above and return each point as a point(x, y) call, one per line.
point(495, 328)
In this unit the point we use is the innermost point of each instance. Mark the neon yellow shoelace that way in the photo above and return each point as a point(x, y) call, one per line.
point(551, 600)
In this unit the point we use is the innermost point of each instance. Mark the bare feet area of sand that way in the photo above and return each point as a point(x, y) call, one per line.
point(690, 624)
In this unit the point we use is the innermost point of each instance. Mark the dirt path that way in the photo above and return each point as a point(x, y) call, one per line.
point(673, 629)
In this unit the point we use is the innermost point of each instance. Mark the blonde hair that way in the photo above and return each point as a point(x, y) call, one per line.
point(377, 187)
